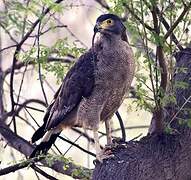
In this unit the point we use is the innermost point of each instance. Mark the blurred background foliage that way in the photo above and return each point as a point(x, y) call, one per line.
point(58, 40)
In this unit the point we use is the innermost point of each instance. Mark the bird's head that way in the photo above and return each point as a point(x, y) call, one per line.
point(110, 24)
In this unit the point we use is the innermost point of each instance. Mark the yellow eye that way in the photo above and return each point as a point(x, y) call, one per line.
point(109, 21)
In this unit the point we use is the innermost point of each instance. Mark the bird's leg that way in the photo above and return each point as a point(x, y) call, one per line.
point(97, 146)
point(108, 132)
point(109, 146)
point(85, 131)
point(101, 154)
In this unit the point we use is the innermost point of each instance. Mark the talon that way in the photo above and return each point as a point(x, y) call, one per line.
point(107, 150)
point(106, 153)
point(95, 162)
point(118, 141)
point(99, 157)
point(108, 146)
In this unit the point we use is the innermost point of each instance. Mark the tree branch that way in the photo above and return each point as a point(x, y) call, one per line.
point(137, 17)
point(157, 157)
point(43, 173)
point(18, 48)
point(103, 4)
point(166, 25)
point(121, 126)
point(39, 65)
point(68, 59)
point(76, 145)
point(26, 148)
point(169, 32)
point(9, 34)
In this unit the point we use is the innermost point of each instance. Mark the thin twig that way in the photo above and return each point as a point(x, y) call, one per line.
point(39, 65)
point(30, 107)
point(83, 134)
point(137, 17)
point(145, 43)
point(49, 29)
point(8, 47)
point(126, 128)
point(9, 34)
point(103, 4)
point(18, 48)
point(121, 125)
point(185, 10)
point(76, 145)
point(180, 109)
point(166, 25)
point(43, 173)
point(72, 144)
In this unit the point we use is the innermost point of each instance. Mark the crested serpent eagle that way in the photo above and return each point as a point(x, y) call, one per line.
point(94, 87)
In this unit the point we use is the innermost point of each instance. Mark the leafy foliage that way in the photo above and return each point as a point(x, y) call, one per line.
point(148, 70)
point(60, 49)
point(147, 35)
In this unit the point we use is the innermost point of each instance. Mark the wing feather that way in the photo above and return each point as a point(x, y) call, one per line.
point(78, 83)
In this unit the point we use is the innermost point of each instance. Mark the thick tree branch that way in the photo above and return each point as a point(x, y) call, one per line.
point(26, 148)
point(161, 90)
point(163, 66)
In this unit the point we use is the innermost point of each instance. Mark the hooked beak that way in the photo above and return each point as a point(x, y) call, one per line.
point(97, 27)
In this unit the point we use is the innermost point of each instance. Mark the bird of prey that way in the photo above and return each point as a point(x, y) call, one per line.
point(93, 88)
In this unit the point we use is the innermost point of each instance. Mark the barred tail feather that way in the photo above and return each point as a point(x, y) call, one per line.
point(47, 142)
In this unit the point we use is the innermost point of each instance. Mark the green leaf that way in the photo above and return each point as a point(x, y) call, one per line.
point(189, 123)
point(158, 40)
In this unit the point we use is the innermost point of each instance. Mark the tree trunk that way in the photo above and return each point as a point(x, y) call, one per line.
point(164, 157)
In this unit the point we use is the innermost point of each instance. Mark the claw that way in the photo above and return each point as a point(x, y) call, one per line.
point(106, 153)
point(95, 162)
point(118, 141)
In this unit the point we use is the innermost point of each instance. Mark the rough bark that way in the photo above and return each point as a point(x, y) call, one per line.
point(164, 157)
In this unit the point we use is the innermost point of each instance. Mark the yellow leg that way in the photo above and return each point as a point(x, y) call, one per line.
point(108, 132)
